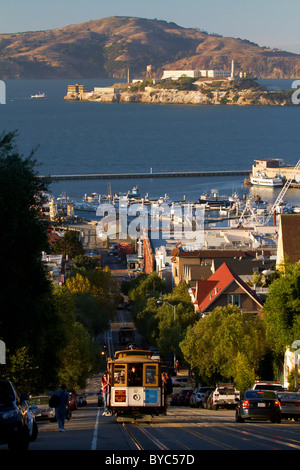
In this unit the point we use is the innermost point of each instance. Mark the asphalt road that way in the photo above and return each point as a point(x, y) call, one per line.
point(184, 430)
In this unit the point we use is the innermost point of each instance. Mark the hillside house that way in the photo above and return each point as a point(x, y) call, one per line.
point(221, 289)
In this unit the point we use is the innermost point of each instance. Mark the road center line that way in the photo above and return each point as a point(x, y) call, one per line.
point(95, 435)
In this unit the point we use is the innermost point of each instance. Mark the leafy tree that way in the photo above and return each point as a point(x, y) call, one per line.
point(226, 344)
point(27, 316)
point(95, 297)
point(282, 310)
point(69, 245)
point(80, 359)
point(147, 323)
point(151, 285)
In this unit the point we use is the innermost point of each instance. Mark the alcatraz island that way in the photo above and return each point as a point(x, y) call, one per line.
point(198, 87)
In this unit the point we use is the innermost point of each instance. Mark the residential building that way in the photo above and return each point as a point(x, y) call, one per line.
point(244, 260)
point(222, 288)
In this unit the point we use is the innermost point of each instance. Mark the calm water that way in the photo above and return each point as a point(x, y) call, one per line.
point(77, 137)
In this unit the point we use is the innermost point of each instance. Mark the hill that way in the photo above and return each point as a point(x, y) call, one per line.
point(109, 47)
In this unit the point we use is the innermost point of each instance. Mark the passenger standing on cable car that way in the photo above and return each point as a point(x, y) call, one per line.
point(104, 388)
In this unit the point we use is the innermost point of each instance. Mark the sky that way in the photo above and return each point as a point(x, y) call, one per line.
point(272, 23)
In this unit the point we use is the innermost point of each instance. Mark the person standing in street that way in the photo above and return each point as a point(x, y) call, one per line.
point(168, 388)
point(61, 408)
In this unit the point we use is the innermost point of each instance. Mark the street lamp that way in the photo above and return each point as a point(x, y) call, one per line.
point(174, 308)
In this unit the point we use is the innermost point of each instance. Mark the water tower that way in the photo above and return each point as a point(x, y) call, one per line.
point(149, 71)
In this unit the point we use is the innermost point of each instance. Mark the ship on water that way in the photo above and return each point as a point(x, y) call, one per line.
point(261, 179)
point(38, 96)
point(271, 172)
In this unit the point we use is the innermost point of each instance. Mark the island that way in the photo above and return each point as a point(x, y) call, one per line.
point(184, 90)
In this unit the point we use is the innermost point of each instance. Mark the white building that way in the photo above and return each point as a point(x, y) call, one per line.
point(175, 74)
point(212, 73)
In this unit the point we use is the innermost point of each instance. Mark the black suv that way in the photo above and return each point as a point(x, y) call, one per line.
point(13, 417)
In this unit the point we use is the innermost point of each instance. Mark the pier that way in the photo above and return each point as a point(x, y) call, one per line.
point(171, 174)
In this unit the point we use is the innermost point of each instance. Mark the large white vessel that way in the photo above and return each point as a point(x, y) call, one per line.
point(260, 179)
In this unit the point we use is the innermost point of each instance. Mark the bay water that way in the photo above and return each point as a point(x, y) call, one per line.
point(87, 138)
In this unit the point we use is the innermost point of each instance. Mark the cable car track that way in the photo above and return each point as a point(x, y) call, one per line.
point(132, 428)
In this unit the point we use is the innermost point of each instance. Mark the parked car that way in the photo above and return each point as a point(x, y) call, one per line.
point(258, 405)
point(183, 397)
point(289, 405)
point(174, 399)
point(181, 382)
point(39, 406)
point(15, 421)
point(225, 395)
point(206, 398)
point(73, 400)
point(197, 396)
point(268, 385)
point(83, 400)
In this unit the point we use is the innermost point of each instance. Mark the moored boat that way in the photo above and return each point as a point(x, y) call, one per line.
point(261, 179)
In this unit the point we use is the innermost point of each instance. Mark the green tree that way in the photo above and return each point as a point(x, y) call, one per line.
point(282, 310)
point(69, 245)
point(80, 359)
point(27, 316)
point(152, 285)
point(146, 321)
point(226, 344)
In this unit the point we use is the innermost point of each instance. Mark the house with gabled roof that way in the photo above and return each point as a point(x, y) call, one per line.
point(222, 288)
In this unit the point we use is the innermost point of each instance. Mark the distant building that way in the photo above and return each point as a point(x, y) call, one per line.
point(175, 74)
point(76, 88)
point(212, 73)
point(246, 261)
point(106, 90)
point(272, 167)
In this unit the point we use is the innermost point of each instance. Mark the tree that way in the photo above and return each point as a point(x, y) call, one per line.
point(80, 359)
point(282, 310)
point(27, 316)
point(69, 245)
point(226, 344)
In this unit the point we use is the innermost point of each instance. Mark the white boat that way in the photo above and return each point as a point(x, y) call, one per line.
point(38, 96)
point(263, 180)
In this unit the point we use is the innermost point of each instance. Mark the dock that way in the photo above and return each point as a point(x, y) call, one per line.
point(171, 174)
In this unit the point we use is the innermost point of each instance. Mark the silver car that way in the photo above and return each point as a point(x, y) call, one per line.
point(39, 407)
point(289, 405)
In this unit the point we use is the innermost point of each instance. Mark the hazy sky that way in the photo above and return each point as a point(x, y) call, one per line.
point(273, 23)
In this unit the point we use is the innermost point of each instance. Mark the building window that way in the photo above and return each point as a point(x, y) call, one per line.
point(233, 299)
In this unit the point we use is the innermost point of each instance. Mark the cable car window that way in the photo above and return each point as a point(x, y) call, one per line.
point(151, 374)
point(135, 375)
point(119, 374)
